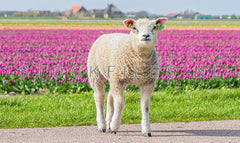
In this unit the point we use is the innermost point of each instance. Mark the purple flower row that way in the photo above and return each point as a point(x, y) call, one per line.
point(62, 54)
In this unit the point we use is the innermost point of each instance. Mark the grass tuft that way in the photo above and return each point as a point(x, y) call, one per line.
point(72, 110)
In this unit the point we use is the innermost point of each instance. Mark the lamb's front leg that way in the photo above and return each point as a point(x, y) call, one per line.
point(146, 92)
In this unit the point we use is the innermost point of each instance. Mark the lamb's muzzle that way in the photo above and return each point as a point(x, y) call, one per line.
point(124, 59)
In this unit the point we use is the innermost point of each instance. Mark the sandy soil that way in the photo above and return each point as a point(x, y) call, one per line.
point(204, 131)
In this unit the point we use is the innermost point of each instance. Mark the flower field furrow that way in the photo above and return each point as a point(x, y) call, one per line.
point(56, 59)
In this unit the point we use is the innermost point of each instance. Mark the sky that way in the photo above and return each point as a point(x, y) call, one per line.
point(160, 7)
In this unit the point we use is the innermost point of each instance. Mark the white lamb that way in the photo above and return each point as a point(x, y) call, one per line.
point(124, 59)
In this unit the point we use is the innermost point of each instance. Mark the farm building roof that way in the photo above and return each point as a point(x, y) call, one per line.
point(76, 8)
point(171, 14)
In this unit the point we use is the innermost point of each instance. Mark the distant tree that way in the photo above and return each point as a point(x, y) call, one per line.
point(188, 14)
point(17, 14)
point(71, 13)
point(216, 17)
point(141, 14)
point(225, 16)
point(56, 13)
point(30, 13)
point(233, 16)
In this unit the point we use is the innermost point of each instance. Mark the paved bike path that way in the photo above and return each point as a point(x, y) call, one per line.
point(204, 131)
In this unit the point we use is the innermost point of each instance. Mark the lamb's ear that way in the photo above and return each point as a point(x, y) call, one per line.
point(160, 22)
point(128, 23)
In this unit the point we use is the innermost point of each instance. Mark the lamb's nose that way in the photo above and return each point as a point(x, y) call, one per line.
point(146, 35)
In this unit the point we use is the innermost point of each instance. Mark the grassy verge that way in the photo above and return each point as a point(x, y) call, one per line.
point(58, 23)
point(31, 18)
point(70, 110)
point(113, 23)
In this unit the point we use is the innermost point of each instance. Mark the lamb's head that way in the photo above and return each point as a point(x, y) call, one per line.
point(144, 31)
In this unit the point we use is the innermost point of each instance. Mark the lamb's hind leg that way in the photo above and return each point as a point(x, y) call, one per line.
point(99, 96)
point(146, 92)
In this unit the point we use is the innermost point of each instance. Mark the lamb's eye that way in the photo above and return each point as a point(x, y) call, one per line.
point(135, 29)
point(154, 27)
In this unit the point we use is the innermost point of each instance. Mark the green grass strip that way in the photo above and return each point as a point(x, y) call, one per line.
point(31, 18)
point(113, 23)
point(70, 110)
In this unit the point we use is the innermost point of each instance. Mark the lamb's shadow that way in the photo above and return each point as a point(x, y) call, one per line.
point(215, 133)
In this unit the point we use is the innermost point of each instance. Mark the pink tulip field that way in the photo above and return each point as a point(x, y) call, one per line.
point(56, 59)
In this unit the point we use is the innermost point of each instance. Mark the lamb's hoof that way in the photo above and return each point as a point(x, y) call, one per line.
point(147, 134)
point(109, 130)
point(102, 130)
point(113, 132)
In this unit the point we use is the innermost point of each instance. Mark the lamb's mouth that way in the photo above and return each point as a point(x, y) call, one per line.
point(145, 39)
